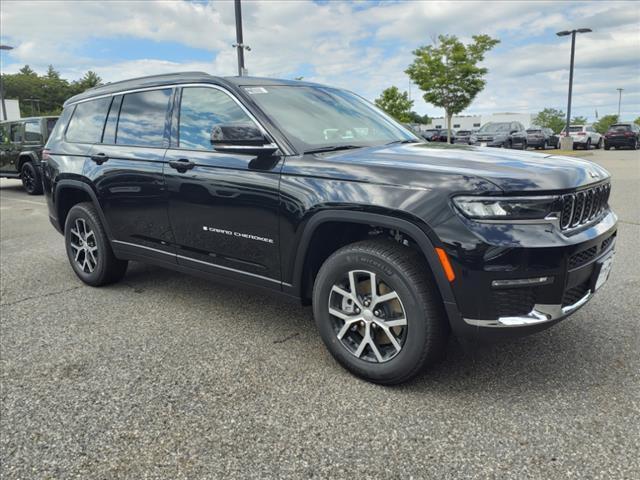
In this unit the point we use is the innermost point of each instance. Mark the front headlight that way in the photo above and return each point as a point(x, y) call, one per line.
point(506, 208)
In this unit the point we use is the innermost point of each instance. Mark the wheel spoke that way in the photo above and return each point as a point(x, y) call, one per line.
point(341, 315)
point(396, 322)
point(76, 233)
point(93, 258)
point(385, 298)
point(352, 285)
point(391, 337)
point(374, 287)
point(365, 341)
point(78, 254)
point(342, 292)
point(345, 328)
point(375, 350)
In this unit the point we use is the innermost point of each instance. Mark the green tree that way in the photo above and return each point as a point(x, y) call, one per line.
point(578, 120)
point(604, 123)
point(48, 91)
point(417, 118)
point(448, 72)
point(551, 118)
point(637, 121)
point(395, 103)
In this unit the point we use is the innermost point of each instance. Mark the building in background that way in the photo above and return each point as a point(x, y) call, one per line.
point(13, 109)
point(474, 122)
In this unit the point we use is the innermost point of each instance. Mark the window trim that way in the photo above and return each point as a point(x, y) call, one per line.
point(166, 142)
point(178, 106)
point(75, 107)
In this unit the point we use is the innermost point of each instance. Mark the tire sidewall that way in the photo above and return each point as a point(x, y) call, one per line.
point(98, 273)
point(330, 273)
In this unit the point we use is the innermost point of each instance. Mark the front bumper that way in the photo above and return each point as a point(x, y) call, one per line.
point(493, 142)
point(490, 303)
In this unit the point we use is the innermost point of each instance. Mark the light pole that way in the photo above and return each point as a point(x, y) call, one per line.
point(619, 100)
point(239, 46)
point(4, 107)
point(564, 33)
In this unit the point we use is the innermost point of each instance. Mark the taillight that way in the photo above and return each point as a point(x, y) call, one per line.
point(628, 134)
point(46, 155)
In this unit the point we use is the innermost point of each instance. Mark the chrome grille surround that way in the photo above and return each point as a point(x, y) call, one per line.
point(584, 206)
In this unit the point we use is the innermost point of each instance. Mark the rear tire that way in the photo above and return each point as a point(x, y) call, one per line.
point(588, 145)
point(599, 144)
point(413, 310)
point(88, 247)
point(31, 180)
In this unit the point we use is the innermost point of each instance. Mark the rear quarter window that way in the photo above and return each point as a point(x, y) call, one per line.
point(87, 121)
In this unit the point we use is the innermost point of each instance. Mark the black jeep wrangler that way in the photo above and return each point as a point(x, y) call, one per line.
point(21, 144)
point(313, 192)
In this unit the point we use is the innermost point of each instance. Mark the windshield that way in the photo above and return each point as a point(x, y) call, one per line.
point(533, 130)
point(619, 128)
point(317, 117)
point(494, 128)
point(574, 129)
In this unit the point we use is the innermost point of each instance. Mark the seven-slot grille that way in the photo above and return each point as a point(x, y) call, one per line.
point(583, 206)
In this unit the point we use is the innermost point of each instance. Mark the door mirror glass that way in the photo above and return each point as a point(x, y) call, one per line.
point(237, 134)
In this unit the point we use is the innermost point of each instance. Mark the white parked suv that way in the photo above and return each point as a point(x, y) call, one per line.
point(583, 136)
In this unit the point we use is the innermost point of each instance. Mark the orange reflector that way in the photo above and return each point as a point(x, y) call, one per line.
point(446, 265)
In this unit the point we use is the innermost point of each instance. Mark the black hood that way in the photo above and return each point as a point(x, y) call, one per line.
point(510, 170)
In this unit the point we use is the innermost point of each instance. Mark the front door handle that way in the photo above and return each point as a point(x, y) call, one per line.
point(182, 165)
point(99, 158)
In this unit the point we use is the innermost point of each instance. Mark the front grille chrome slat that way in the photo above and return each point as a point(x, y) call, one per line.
point(584, 206)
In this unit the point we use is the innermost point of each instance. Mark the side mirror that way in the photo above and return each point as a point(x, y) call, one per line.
point(241, 138)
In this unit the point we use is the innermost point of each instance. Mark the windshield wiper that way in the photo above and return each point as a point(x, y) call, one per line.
point(332, 148)
point(408, 140)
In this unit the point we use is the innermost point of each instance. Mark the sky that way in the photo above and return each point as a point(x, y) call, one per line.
point(364, 46)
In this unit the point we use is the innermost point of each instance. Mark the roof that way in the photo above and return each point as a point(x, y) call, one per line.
point(24, 119)
point(176, 78)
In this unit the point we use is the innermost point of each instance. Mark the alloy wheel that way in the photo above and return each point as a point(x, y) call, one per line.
point(84, 247)
point(368, 316)
point(28, 179)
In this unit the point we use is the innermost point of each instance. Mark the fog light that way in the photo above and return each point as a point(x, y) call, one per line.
point(522, 282)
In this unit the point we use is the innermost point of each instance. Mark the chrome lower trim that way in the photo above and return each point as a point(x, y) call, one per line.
point(210, 264)
point(541, 313)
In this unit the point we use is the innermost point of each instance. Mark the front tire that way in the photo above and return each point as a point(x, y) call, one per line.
point(88, 248)
point(31, 180)
point(379, 312)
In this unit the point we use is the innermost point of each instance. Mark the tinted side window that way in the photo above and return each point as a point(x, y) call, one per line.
point(15, 132)
point(51, 123)
point(32, 132)
point(87, 121)
point(200, 109)
point(143, 117)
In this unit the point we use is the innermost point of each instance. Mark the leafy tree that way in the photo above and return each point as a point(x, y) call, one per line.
point(448, 72)
point(578, 121)
point(417, 118)
point(604, 123)
point(49, 91)
point(637, 121)
point(551, 118)
point(395, 104)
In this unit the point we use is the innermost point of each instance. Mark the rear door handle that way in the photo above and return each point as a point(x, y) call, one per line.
point(182, 165)
point(99, 158)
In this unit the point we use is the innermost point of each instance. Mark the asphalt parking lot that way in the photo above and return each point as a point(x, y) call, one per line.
point(169, 376)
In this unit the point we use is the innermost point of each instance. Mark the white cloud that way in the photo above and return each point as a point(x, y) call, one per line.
point(361, 46)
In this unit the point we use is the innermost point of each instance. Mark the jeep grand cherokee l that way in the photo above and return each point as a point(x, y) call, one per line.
point(622, 135)
point(21, 144)
point(313, 192)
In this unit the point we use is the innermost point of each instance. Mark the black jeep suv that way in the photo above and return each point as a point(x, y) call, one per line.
point(313, 192)
point(21, 144)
